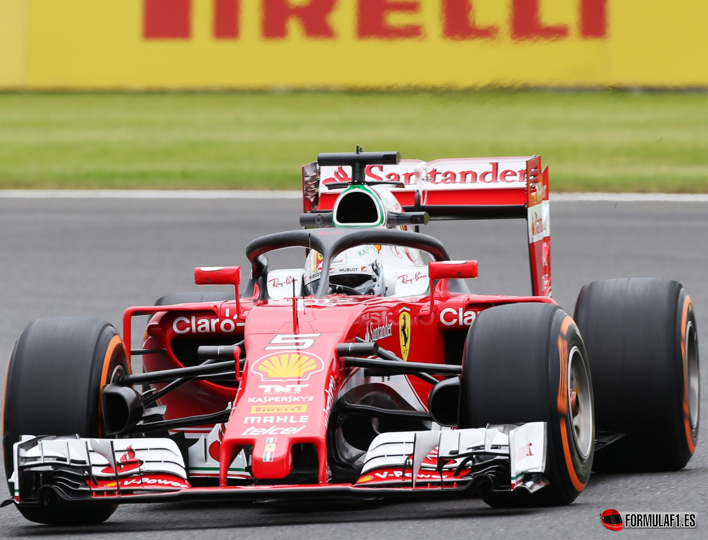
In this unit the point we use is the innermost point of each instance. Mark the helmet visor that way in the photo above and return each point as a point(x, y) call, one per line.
point(613, 519)
point(355, 281)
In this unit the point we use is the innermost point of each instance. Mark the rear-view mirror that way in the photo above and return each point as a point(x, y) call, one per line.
point(453, 269)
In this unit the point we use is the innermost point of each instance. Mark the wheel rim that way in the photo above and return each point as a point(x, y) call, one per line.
point(580, 402)
point(117, 373)
point(692, 375)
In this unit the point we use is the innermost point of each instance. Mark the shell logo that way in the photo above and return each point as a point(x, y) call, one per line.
point(287, 366)
point(365, 479)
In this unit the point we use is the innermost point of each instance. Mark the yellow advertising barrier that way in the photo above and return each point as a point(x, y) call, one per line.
point(159, 44)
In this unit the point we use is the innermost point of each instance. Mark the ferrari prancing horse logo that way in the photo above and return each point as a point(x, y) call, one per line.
point(404, 333)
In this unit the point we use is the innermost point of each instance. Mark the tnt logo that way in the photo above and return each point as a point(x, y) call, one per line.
point(172, 19)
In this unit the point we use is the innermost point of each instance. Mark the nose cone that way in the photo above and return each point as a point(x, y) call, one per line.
point(286, 393)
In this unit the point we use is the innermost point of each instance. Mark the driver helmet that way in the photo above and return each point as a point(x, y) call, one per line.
point(358, 268)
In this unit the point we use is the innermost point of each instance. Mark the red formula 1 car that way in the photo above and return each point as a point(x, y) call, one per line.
point(363, 369)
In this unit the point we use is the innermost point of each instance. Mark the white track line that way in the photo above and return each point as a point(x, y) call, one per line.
point(236, 194)
point(629, 197)
point(145, 194)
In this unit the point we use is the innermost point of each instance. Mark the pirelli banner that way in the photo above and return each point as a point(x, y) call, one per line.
point(260, 44)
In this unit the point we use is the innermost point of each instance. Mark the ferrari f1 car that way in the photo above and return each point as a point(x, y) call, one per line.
point(365, 369)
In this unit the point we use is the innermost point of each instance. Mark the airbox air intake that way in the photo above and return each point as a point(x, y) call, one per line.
point(359, 207)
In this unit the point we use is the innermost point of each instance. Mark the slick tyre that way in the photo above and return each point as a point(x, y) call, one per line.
point(527, 363)
point(642, 343)
point(55, 375)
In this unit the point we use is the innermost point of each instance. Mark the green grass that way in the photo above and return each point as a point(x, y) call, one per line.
point(593, 141)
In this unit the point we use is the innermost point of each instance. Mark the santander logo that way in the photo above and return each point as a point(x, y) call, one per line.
point(441, 174)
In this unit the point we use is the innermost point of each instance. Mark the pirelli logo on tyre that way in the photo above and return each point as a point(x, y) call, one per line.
point(287, 366)
point(278, 409)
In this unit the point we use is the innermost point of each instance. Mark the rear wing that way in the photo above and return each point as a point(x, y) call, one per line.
point(452, 189)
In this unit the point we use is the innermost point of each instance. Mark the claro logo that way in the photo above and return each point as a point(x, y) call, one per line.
point(375, 19)
point(203, 325)
point(457, 317)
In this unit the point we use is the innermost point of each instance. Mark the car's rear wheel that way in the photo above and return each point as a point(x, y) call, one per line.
point(642, 343)
point(56, 372)
point(527, 363)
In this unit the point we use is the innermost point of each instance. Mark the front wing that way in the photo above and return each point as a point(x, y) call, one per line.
point(505, 458)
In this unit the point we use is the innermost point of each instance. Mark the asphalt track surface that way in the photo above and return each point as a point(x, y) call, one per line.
point(94, 258)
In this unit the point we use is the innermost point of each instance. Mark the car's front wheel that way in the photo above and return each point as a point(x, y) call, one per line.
point(527, 363)
point(56, 372)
